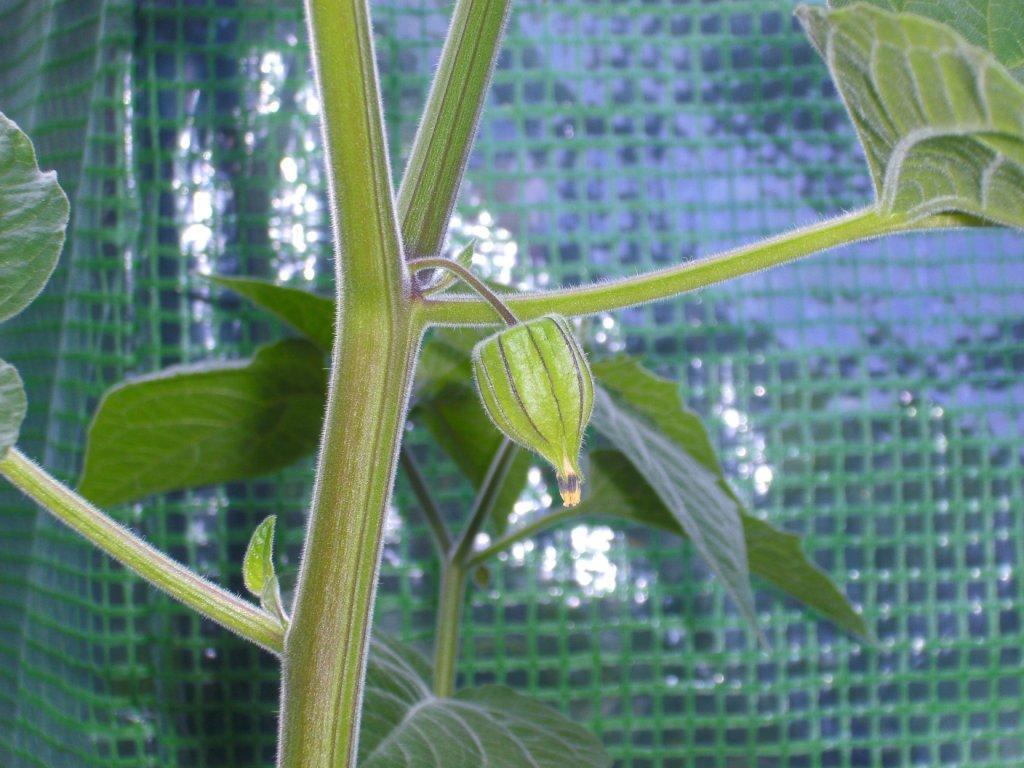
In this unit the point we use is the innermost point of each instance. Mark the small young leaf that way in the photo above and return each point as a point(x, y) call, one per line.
point(643, 416)
point(941, 121)
point(198, 425)
point(996, 25)
point(405, 726)
point(258, 564)
point(307, 313)
point(12, 406)
point(33, 217)
point(258, 569)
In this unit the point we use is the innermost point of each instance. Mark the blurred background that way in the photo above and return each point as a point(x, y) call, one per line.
point(871, 398)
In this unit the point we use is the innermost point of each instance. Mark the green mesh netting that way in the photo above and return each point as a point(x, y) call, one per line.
point(870, 398)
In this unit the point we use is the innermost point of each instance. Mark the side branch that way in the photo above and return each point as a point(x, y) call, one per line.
point(431, 513)
point(166, 574)
point(665, 283)
point(445, 135)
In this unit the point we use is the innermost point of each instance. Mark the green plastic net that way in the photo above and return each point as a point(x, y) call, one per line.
point(870, 398)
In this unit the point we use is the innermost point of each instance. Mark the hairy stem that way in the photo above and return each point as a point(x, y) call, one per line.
point(664, 283)
point(448, 626)
point(523, 532)
point(166, 574)
point(430, 511)
point(474, 282)
point(454, 573)
point(486, 498)
point(376, 338)
point(445, 135)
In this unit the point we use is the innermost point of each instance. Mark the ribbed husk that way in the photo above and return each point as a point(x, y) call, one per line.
point(536, 386)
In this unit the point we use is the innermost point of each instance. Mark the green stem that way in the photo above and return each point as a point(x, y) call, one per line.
point(664, 283)
point(154, 566)
point(448, 628)
point(486, 498)
point(474, 282)
point(445, 135)
point(430, 511)
point(454, 573)
point(527, 531)
point(376, 338)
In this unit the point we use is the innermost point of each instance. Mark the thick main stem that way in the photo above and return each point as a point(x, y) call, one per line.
point(376, 338)
point(328, 640)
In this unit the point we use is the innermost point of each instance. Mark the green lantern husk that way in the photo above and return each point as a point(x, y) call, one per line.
point(536, 386)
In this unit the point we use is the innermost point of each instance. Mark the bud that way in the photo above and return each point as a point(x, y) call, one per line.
point(536, 387)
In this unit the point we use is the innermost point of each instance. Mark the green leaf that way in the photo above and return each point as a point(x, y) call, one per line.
point(996, 25)
point(305, 312)
point(445, 361)
point(13, 406)
point(33, 217)
point(643, 416)
point(198, 425)
point(258, 564)
point(616, 489)
point(405, 726)
point(941, 121)
point(258, 571)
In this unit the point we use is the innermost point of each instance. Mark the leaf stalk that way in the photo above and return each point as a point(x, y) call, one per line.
point(861, 225)
point(166, 574)
point(474, 282)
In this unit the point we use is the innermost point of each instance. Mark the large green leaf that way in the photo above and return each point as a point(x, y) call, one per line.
point(941, 121)
point(405, 726)
point(997, 25)
point(197, 425)
point(307, 313)
point(445, 361)
point(33, 217)
point(643, 416)
point(444, 401)
point(12, 406)
point(618, 490)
